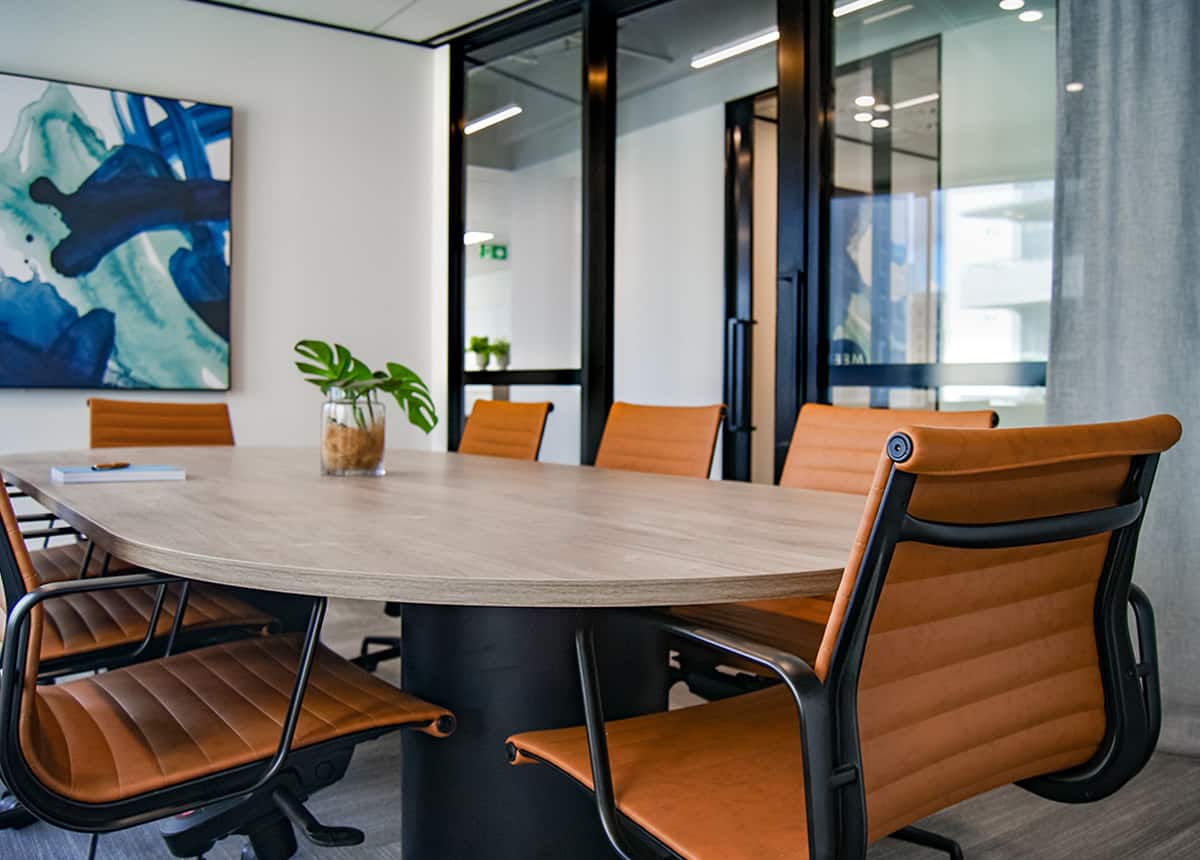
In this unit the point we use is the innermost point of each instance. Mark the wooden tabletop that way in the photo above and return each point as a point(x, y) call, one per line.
point(454, 529)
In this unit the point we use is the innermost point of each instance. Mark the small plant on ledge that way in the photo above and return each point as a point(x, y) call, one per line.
point(353, 417)
point(500, 350)
point(479, 349)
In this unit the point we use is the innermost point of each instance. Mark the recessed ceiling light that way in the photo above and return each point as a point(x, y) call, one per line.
point(1030, 16)
point(490, 119)
point(477, 237)
point(890, 13)
point(1075, 87)
point(733, 49)
point(882, 108)
point(917, 100)
point(854, 6)
point(865, 101)
point(1011, 5)
point(864, 117)
point(880, 123)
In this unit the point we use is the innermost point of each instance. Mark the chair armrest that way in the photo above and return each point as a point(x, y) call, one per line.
point(1147, 667)
point(56, 531)
point(812, 707)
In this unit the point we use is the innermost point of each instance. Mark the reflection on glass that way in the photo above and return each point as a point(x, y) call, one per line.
point(678, 64)
point(1017, 406)
point(941, 222)
point(523, 208)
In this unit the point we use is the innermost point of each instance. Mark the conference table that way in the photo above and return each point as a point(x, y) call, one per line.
point(494, 560)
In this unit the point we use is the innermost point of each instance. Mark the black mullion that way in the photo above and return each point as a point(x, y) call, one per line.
point(599, 203)
point(739, 286)
point(456, 268)
point(805, 157)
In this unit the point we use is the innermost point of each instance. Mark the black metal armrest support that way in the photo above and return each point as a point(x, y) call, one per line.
point(56, 531)
point(812, 706)
point(16, 645)
point(1147, 667)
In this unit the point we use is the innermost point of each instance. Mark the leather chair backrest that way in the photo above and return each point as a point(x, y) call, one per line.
point(501, 428)
point(666, 440)
point(837, 447)
point(981, 666)
point(130, 423)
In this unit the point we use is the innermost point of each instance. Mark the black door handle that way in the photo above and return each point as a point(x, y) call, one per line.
point(737, 371)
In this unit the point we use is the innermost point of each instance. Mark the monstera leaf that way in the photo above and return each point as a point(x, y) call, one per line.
point(333, 366)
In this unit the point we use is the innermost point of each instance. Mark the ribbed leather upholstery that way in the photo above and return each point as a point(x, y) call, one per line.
point(501, 428)
point(164, 722)
point(981, 666)
point(63, 562)
point(667, 440)
point(129, 423)
point(82, 623)
point(834, 448)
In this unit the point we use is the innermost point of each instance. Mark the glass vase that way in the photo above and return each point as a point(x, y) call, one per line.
point(352, 435)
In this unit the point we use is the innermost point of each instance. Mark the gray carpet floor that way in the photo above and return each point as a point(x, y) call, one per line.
point(1155, 816)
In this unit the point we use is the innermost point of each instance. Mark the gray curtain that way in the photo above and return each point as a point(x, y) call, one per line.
point(1125, 339)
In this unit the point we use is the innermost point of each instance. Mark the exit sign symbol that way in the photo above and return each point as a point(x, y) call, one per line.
point(493, 252)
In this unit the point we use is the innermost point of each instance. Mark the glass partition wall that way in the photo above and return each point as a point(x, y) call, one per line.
point(680, 201)
point(941, 217)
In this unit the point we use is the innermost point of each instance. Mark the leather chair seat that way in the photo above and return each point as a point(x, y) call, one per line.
point(793, 624)
point(57, 563)
point(685, 775)
point(164, 722)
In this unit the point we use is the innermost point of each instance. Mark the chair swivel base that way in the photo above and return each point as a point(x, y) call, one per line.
point(390, 648)
point(929, 839)
point(266, 818)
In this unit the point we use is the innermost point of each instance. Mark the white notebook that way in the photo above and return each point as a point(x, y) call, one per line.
point(88, 475)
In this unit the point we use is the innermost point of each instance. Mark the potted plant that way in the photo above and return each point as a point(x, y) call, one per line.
point(353, 417)
point(479, 348)
point(499, 350)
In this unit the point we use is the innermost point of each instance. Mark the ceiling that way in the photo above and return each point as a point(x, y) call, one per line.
point(417, 20)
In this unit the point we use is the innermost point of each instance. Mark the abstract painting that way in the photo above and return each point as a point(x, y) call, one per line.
point(114, 238)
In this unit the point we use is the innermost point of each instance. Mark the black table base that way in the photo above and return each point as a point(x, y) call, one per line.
point(504, 671)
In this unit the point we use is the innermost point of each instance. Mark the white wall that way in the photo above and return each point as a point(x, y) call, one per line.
point(670, 258)
point(336, 174)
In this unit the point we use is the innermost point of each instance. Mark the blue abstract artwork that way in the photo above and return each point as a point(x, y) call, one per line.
point(114, 238)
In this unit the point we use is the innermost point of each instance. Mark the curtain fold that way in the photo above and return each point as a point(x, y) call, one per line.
point(1125, 335)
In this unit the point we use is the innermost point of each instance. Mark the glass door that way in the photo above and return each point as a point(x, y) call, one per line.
point(521, 242)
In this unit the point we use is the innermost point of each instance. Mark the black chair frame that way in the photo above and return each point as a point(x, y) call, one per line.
point(835, 799)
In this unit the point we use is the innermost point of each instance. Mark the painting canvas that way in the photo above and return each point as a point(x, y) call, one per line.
point(114, 238)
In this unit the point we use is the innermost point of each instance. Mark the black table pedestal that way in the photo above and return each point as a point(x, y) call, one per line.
point(504, 671)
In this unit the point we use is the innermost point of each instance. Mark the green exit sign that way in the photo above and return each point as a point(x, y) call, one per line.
point(493, 252)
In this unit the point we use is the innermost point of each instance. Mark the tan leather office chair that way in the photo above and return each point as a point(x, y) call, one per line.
point(980, 637)
point(665, 440)
point(833, 448)
point(139, 424)
point(502, 428)
point(141, 742)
